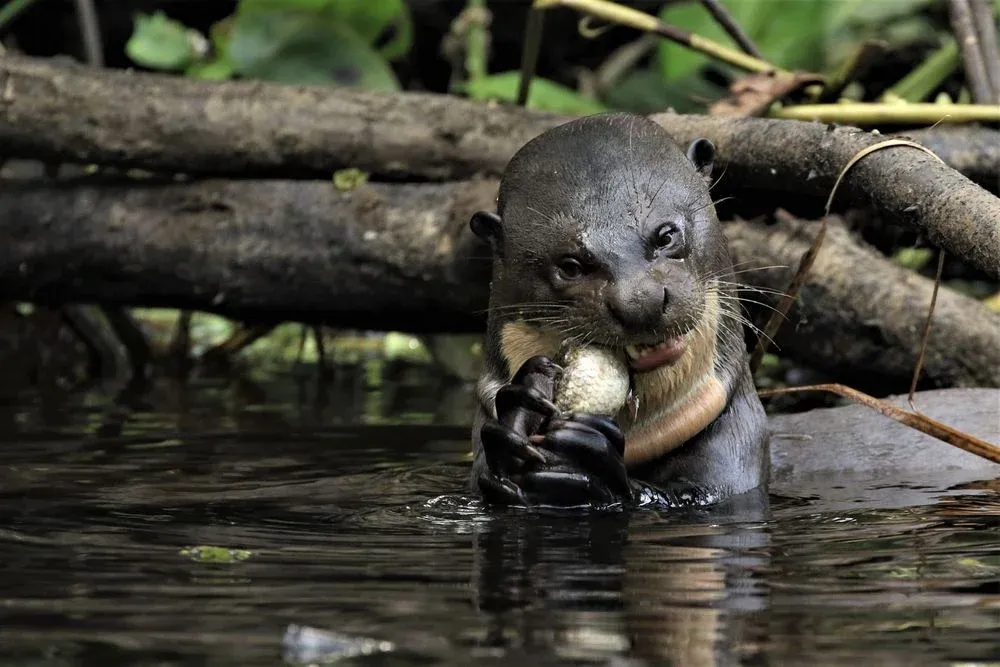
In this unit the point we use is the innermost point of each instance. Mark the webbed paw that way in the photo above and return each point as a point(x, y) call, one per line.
point(537, 456)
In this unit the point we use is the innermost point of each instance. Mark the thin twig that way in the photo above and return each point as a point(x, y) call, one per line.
point(927, 331)
point(90, 30)
point(529, 56)
point(788, 298)
point(986, 23)
point(960, 13)
point(622, 61)
point(728, 24)
point(863, 113)
point(615, 13)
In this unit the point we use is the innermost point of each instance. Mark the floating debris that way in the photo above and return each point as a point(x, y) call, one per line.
point(210, 554)
point(307, 645)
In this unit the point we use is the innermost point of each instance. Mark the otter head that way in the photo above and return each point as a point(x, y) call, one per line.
point(605, 234)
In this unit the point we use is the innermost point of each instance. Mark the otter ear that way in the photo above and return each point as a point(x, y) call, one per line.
point(701, 152)
point(486, 225)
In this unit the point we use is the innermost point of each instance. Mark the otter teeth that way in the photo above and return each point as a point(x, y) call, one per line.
point(636, 351)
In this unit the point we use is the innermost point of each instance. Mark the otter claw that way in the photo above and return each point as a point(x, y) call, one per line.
point(590, 449)
point(502, 444)
point(498, 491)
point(570, 488)
point(511, 397)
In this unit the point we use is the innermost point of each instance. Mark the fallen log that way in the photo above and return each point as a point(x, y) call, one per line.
point(401, 257)
point(905, 185)
point(971, 150)
point(860, 311)
point(393, 257)
point(60, 111)
point(65, 112)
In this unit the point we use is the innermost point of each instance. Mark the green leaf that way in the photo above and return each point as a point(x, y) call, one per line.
point(789, 33)
point(290, 6)
point(348, 179)
point(211, 70)
point(544, 94)
point(304, 48)
point(159, 42)
point(644, 91)
point(368, 19)
point(371, 20)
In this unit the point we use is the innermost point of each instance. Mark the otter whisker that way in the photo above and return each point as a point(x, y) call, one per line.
point(750, 325)
point(733, 299)
point(726, 272)
point(725, 168)
point(761, 268)
point(751, 288)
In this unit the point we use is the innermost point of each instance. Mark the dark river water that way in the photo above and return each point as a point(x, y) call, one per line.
point(347, 534)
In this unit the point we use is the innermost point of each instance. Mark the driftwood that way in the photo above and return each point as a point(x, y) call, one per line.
point(66, 112)
point(401, 257)
point(70, 113)
point(861, 315)
point(903, 184)
point(379, 257)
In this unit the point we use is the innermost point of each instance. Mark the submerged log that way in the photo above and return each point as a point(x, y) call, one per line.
point(401, 257)
point(860, 311)
point(65, 112)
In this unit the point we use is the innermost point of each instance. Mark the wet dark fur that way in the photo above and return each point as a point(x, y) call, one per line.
point(602, 185)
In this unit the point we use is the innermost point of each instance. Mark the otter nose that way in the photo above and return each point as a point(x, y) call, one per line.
point(637, 307)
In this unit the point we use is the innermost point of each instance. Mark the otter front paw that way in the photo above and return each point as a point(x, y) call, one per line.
point(577, 460)
point(522, 407)
point(585, 454)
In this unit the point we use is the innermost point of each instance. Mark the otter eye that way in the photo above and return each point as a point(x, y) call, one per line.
point(667, 237)
point(569, 268)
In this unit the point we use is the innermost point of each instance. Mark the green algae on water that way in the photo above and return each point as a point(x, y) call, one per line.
point(210, 554)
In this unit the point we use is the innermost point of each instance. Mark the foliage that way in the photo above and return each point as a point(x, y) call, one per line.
point(813, 35)
point(354, 43)
point(336, 42)
point(543, 94)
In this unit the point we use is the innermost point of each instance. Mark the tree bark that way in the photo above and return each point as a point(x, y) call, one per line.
point(401, 257)
point(861, 316)
point(903, 184)
point(379, 257)
point(72, 113)
point(61, 111)
point(971, 150)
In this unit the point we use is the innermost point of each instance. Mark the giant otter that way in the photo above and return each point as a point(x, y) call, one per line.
point(605, 234)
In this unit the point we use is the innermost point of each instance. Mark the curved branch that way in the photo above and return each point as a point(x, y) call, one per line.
point(902, 184)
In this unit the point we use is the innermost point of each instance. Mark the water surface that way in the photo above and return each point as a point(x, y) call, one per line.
point(349, 510)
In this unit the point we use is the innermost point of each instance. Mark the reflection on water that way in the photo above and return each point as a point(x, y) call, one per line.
point(353, 508)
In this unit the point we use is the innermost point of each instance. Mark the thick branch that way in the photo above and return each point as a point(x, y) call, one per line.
point(970, 149)
point(64, 111)
point(380, 257)
point(68, 112)
point(401, 257)
point(861, 315)
point(904, 184)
